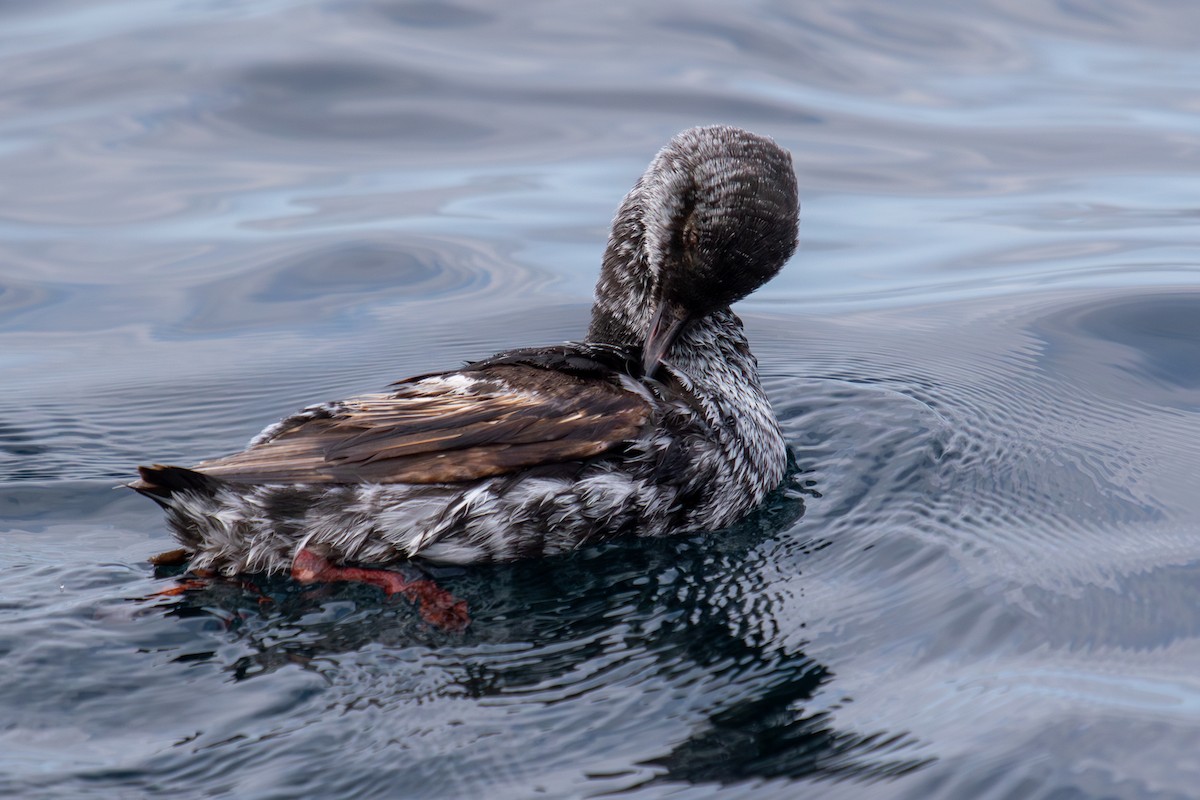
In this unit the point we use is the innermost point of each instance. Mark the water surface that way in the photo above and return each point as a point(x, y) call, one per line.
point(980, 580)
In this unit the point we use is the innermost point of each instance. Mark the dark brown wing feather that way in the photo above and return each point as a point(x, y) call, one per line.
point(492, 420)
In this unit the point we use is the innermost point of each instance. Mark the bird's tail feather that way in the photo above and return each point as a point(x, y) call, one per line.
point(159, 483)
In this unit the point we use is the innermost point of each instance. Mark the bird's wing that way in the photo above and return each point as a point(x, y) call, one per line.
point(488, 419)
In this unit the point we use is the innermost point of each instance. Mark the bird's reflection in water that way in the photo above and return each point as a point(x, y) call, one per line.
point(696, 610)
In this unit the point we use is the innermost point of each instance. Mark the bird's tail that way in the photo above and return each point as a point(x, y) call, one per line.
point(160, 483)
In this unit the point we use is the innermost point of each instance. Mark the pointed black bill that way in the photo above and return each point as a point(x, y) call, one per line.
point(668, 322)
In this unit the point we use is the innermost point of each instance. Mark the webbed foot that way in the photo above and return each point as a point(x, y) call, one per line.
point(435, 605)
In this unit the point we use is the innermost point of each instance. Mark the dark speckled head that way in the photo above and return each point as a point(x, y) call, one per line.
point(713, 218)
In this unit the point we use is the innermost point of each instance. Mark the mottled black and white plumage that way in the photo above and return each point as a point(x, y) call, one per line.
point(655, 425)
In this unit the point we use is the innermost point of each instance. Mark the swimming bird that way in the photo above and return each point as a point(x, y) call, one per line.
point(654, 424)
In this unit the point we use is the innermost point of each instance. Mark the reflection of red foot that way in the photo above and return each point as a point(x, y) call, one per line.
point(185, 585)
point(205, 578)
point(437, 606)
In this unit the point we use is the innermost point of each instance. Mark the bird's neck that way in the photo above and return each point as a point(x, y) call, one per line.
point(713, 344)
point(623, 304)
point(713, 348)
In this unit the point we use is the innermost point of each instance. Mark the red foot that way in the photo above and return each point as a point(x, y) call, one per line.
point(436, 606)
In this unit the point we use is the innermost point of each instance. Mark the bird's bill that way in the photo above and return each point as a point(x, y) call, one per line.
point(668, 322)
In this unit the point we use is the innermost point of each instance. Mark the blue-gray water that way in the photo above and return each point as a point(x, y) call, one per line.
point(984, 581)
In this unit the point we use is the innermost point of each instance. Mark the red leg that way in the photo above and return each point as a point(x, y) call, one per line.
point(436, 606)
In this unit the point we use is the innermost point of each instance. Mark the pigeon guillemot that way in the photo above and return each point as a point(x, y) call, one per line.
point(656, 424)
